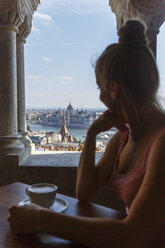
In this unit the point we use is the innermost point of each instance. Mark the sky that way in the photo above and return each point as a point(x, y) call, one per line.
point(66, 39)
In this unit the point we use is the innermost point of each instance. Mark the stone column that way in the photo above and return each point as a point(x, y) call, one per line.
point(15, 18)
point(21, 94)
point(24, 31)
point(9, 138)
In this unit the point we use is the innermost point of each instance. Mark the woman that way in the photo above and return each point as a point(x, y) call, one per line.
point(133, 163)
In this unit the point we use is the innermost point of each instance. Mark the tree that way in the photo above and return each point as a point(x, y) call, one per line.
point(75, 140)
point(28, 127)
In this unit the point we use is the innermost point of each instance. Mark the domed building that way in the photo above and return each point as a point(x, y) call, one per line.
point(69, 112)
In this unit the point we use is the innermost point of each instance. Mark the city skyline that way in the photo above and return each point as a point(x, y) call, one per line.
point(66, 39)
point(65, 107)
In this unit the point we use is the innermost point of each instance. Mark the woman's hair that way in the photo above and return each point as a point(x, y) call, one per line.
point(131, 64)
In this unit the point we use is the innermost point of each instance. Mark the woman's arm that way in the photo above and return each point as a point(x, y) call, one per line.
point(91, 232)
point(91, 177)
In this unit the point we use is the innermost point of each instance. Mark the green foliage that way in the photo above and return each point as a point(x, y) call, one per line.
point(28, 128)
point(74, 139)
point(36, 144)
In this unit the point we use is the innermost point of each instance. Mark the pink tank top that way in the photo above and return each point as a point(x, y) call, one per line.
point(126, 185)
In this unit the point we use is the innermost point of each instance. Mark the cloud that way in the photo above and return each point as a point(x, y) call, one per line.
point(36, 30)
point(34, 79)
point(37, 94)
point(33, 64)
point(33, 44)
point(45, 79)
point(50, 81)
point(45, 19)
point(47, 59)
point(63, 78)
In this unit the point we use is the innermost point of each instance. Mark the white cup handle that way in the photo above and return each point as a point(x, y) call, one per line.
point(27, 191)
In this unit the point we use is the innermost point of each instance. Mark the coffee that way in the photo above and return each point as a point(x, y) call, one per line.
point(41, 189)
point(42, 194)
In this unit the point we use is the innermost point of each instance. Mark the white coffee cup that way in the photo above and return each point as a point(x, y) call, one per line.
point(42, 194)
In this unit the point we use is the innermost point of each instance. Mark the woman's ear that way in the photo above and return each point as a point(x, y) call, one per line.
point(114, 89)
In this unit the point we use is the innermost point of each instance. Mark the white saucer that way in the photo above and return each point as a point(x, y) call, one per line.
point(59, 205)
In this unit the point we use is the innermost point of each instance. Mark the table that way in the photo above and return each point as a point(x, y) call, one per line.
point(14, 193)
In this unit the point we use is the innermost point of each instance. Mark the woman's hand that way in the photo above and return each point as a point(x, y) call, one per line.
point(106, 121)
point(24, 219)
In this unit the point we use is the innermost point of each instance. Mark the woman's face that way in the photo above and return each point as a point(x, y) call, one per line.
point(106, 96)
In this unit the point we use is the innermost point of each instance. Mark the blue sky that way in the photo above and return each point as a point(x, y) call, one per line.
point(67, 36)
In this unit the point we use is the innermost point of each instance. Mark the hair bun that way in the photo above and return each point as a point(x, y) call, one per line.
point(132, 33)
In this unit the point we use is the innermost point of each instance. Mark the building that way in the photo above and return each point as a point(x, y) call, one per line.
point(74, 118)
point(69, 113)
point(49, 140)
point(66, 136)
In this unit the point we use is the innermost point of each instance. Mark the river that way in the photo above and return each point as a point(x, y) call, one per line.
point(79, 134)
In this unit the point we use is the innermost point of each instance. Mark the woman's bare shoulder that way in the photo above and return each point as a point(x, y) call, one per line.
point(116, 137)
point(115, 140)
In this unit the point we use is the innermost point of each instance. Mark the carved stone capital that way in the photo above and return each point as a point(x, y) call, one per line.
point(30, 8)
point(12, 12)
point(149, 7)
point(21, 10)
point(152, 12)
point(18, 13)
point(6, 5)
point(25, 27)
point(119, 8)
